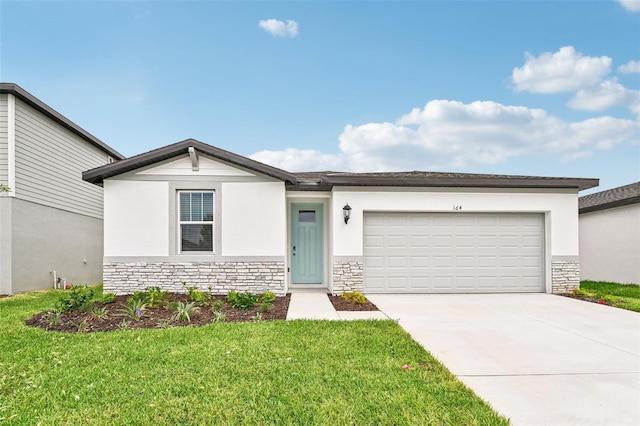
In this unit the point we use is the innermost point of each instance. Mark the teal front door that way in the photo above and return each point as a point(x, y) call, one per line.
point(306, 244)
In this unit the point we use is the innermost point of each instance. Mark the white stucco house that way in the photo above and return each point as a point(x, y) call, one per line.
point(190, 212)
point(610, 235)
point(50, 219)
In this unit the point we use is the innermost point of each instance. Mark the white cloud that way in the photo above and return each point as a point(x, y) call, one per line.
point(450, 135)
point(279, 28)
point(630, 5)
point(631, 67)
point(299, 160)
point(563, 71)
point(607, 94)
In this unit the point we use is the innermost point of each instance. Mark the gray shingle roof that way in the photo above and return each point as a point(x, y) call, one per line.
point(325, 181)
point(615, 197)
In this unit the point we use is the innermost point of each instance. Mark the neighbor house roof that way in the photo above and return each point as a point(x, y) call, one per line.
point(29, 99)
point(615, 197)
point(325, 181)
point(97, 175)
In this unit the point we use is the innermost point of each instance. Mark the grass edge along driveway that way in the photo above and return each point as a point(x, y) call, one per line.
point(295, 372)
point(625, 296)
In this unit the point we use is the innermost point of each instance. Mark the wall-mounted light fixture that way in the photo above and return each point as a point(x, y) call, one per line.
point(346, 212)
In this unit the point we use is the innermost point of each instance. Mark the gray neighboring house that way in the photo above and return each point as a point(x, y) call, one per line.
point(610, 235)
point(50, 220)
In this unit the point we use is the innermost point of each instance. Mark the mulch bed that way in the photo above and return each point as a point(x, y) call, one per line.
point(157, 316)
point(341, 304)
point(587, 299)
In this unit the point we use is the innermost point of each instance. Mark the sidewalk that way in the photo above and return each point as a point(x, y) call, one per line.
point(314, 304)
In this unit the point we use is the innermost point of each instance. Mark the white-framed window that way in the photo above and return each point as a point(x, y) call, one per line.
point(195, 220)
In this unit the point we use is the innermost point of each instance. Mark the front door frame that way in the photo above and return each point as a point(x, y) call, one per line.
point(319, 202)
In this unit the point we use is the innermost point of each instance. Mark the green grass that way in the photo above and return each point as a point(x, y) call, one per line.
point(625, 296)
point(296, 372)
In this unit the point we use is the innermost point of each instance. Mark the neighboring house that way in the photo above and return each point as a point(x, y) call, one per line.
point(610, 235)
point(50, 220)
point(195, 214)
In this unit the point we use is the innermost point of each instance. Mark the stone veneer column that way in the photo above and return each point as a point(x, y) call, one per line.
point(347, 276)
point(216, 277)
point(565, 276)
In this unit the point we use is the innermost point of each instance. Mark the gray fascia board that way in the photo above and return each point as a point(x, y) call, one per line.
point(45, 109)
point(506, 182)
point(97, 175)
point(605, 206)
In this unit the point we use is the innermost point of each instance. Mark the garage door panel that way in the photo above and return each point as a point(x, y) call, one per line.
point(449, 253)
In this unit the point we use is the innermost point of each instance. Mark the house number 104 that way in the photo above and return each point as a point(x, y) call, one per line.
point(457, 208)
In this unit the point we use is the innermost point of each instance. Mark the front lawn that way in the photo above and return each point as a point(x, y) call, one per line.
point(625, 296)
point(277, 372)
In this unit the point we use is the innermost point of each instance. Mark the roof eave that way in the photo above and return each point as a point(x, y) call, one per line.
point(610, 205)
point(28, 98)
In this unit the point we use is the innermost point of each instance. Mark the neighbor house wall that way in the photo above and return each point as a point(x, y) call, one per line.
point(46, 239)
point(560, 208)
point(4, 160)
point(141, 230)
point(610, 245)
point(51, 219)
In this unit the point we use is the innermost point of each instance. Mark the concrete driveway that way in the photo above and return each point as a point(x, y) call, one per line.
point(538, 359)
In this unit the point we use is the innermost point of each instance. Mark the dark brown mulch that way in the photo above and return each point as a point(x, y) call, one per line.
point(155, 317)
point(587, 299)
point(341, 304)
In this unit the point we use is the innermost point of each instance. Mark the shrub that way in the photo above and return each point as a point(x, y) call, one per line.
point(265, 307)
point(52, 317)
point(268, 297)
point(156, 296)
point(217, 305)
point(100, 313)
point(355, 296)
point(184, 310)
point(134, 308)
point(108, 298)
point(242, 301)
point(78, 299)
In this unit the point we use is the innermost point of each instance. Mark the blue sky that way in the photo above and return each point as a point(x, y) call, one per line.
point(533, 88)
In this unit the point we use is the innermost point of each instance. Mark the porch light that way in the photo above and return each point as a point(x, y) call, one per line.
point(346, 212)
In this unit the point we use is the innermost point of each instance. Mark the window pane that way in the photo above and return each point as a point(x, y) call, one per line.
point(197, 237)
point(307, 216)
point(207, 206)
point(196, 206)
point(185, 206)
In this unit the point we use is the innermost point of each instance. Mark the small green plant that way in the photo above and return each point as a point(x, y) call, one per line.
point(355, 296)
point(52, 317)
point(268, 297)
point(134, 308)
point(168, 323)
point(108, 298)
point(242, 301)
point(196, 295)
point(124, 324)
point(4, 188)
point(257, 317)
point(184, 311)
point(265, 307)
point(99, 312)
point(81, 326)
point(138, 296)
point(217, 305)
point(156, 296)
point(220, 316)
point(78, 299)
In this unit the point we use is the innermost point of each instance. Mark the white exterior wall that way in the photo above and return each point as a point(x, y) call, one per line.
point(610, 245)
point(136, 218)
point(560, 206)
point(254, 219)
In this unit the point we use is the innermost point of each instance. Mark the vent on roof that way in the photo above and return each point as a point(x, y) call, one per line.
point(109, 159)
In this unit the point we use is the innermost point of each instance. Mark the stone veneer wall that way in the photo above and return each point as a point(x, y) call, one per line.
point(565, 276)
point(347, 276)
point(221, 277)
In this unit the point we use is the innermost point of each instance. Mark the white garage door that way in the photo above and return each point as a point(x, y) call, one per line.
point(453, 252)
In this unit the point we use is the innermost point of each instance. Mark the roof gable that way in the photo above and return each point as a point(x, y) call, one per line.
point(98, 175)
